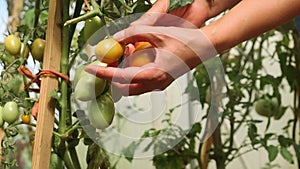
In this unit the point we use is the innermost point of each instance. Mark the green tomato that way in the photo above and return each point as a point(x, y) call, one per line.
point(10, 112)
point(89, 87)
point(77, 74)
point(12, 44)
point(265, 107)
point(91, 26)
point(1, 119)
point(101, 111)
point(37, 49)
point(26, 50)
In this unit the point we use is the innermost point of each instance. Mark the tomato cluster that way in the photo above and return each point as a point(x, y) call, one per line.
point(94, 91)
point(14, 47)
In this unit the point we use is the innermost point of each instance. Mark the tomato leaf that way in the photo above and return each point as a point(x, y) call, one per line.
point(96, 157)
point(272, 152)
point(178, 3)
point(54, 95)
point(288, 156)
point(129, 151)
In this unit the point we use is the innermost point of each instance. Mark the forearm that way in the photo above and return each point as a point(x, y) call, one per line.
point(248, 19)
point(218, 6)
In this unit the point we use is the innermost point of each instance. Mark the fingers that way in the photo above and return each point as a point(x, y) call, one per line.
point(140, 88)
point(127, 75)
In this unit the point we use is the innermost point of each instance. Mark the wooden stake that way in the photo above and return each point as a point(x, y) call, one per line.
point(52, 57)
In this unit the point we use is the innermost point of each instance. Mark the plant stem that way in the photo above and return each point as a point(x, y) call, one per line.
point(82, 17)
point(64, 117)
point(68, 161)
point(74, 157)
point(75, 15)
point(37, 12)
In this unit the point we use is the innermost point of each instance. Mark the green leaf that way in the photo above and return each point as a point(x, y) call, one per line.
point(284, 142)
point(96, 157)
point(272, 152)
point(129, 151)
point(252, 133)
point(55, 161)
point(54, 95)
point(84, 56)
point(29, 17)
point(288, 156)
point(178, 3)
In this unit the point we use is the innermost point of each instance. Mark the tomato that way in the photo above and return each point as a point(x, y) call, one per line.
point(37, 49)
point(266, 107)
point(1, 119)
point(10, 112)
point(26, 118)
point(101, 111)
point(77, 74)
point(141, 58)
point(91, 26)
point(109, 50)
point(12, 44)
point(26, 52)
point(115, 93)
point(89, 86)
point(142, 45)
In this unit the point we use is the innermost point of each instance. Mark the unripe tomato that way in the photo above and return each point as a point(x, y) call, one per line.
point(12, 44)
point(109, 50)
point(37, 49)
point(266, 107)
point(77, 74)
point(26, 52)
point(91, 26)
point(101, 111)
point(89, 87)
point(10, 112)
point(26, 118)
point(1, 119)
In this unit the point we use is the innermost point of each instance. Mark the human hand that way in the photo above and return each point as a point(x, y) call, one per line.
point(177, 51)
point(201, 7)
point(196, 13)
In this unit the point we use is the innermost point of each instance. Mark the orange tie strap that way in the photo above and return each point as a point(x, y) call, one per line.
point(42, 73)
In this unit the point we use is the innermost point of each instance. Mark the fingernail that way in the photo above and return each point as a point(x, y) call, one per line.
point(119, 35)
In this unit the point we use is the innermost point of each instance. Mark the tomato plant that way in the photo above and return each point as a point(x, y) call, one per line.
point(248, 88)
